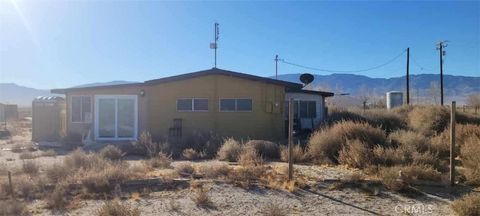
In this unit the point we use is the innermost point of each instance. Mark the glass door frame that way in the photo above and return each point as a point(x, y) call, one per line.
point(116, 97)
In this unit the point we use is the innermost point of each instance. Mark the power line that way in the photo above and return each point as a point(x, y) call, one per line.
point(343, 71)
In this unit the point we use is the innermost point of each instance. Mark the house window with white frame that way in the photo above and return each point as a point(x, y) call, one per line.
point(192, 105)
point(81, 109)
point(236, 105)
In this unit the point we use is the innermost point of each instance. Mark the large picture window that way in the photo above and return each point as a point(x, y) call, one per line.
point(192, 104)
point(116, 116)
point(236, 105)
point(81, 109)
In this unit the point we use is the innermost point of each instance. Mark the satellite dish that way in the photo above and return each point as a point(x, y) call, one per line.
point(306, 78)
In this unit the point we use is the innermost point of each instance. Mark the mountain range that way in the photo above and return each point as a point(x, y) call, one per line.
point(421, 85)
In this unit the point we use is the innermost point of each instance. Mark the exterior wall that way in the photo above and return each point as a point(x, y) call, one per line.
point(83, 128)
point(320, 106)
point(265, 121)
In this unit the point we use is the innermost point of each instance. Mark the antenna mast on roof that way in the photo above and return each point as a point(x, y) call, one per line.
point(214, 44)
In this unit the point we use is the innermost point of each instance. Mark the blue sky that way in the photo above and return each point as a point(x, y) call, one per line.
point(55, 44)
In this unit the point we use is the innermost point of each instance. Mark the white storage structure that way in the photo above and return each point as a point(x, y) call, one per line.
point(394, 99)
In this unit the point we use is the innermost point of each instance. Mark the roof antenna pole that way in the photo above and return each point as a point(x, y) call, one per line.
point(215, 46)
point(276, 67)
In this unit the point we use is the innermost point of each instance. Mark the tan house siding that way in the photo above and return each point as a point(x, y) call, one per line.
point(257, 124)
point(82, 128)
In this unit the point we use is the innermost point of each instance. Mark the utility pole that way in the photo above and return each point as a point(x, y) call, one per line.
point(276, 67)
point(440, 46)
point(408, 76)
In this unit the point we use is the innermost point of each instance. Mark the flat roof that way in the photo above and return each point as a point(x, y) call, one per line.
point(305, 91)
point(213, 71)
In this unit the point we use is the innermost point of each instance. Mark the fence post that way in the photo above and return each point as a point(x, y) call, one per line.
point(290, 139)
point(12, 193)
point(452, 144)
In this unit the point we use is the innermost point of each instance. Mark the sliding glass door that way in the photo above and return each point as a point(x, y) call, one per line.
point(116, 117)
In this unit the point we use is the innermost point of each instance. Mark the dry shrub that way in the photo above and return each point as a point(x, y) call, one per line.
point(355, 154)
point(230, 150)
point(250, 157)
point(207, 142)
point(420, 172)
point(388, 121)
point(430, 159)
point(30, 167)
point(104, 176)
point(389, 156)
point(77, 159)
point(298, 154)
point(273, 209)
point(216, 170)
point(337, 115)
point(465, 118)
point(325, 144)
point(17, 148)
point(201, 198)
point(429, 120)
point(58, 198)
point(57, 172)
point(111, 152)
point(469, 205)
point(246, 176)
point(403, 111)
point(441, 142)
point(265, 149)
point(116, 208)
point(27, 155)
point(470, 154)
point(192, 154)
point(161, 161)
point(12, 207)
point(391, 179)
point(409, 139)
point(185, 169)
point(146, 144)
point(49, 153)
point(25, 187)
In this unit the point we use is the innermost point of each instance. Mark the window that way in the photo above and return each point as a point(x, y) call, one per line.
point(116, 117)
point(81, 109)
point(192, 104)
point(236, 105)
point(308, 109)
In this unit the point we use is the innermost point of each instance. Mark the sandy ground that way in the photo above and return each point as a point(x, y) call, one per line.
point(228, 199)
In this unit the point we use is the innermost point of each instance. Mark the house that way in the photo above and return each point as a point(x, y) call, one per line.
point(223, 102)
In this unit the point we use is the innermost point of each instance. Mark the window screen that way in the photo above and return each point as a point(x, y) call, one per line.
point(227, 105)
point(244, 104)
point(200, 104)
point(184, 105)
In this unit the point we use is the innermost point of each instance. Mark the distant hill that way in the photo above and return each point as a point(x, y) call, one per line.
point(454, 86)
point(20, 95)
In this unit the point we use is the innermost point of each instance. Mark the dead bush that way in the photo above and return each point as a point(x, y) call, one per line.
point(430, 159)
point(77, 159)
point(230, 150)
point(27, 155)
point(246, 176)
point(388, 121)
point(298, 154)
point(429, 120)
point(116, 208)
point(325, 144)
point(57, 172)
point(266, 149)
point(214, 171)
point(111, 152)
point(250, 157)
point(104, 176)
point(409, 139)
point(191, 154)
point(49, 153)
point(161, 161)
point(470, 152)
point(25, 187)
point(389, 156)
point(469, 205)
point(337, 115)
point(146, 143)
point(390, 177)
point(465, 118)
point(403, 111)
point(185, 169)
point(441, 142)
point(58, 199)
point(17, 148)
point(201, 198)
point(30, 167)
point(273, 209)
point(355, 154)
point(12, 207)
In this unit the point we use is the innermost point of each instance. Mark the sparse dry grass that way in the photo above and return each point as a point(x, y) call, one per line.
point(117, 208)
point(230, 150)
point(12, 207)
point(49, 153)
point(27, 155)
point(25, 187)
point(214, 171)
point(185, 169)
point(57, 172)
point(192, 154)
point(58, 199)
point(250, 157)
point(201, 197)
point(470, 154)
point(469, 205)
point(273, 209)
point(162, 160)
